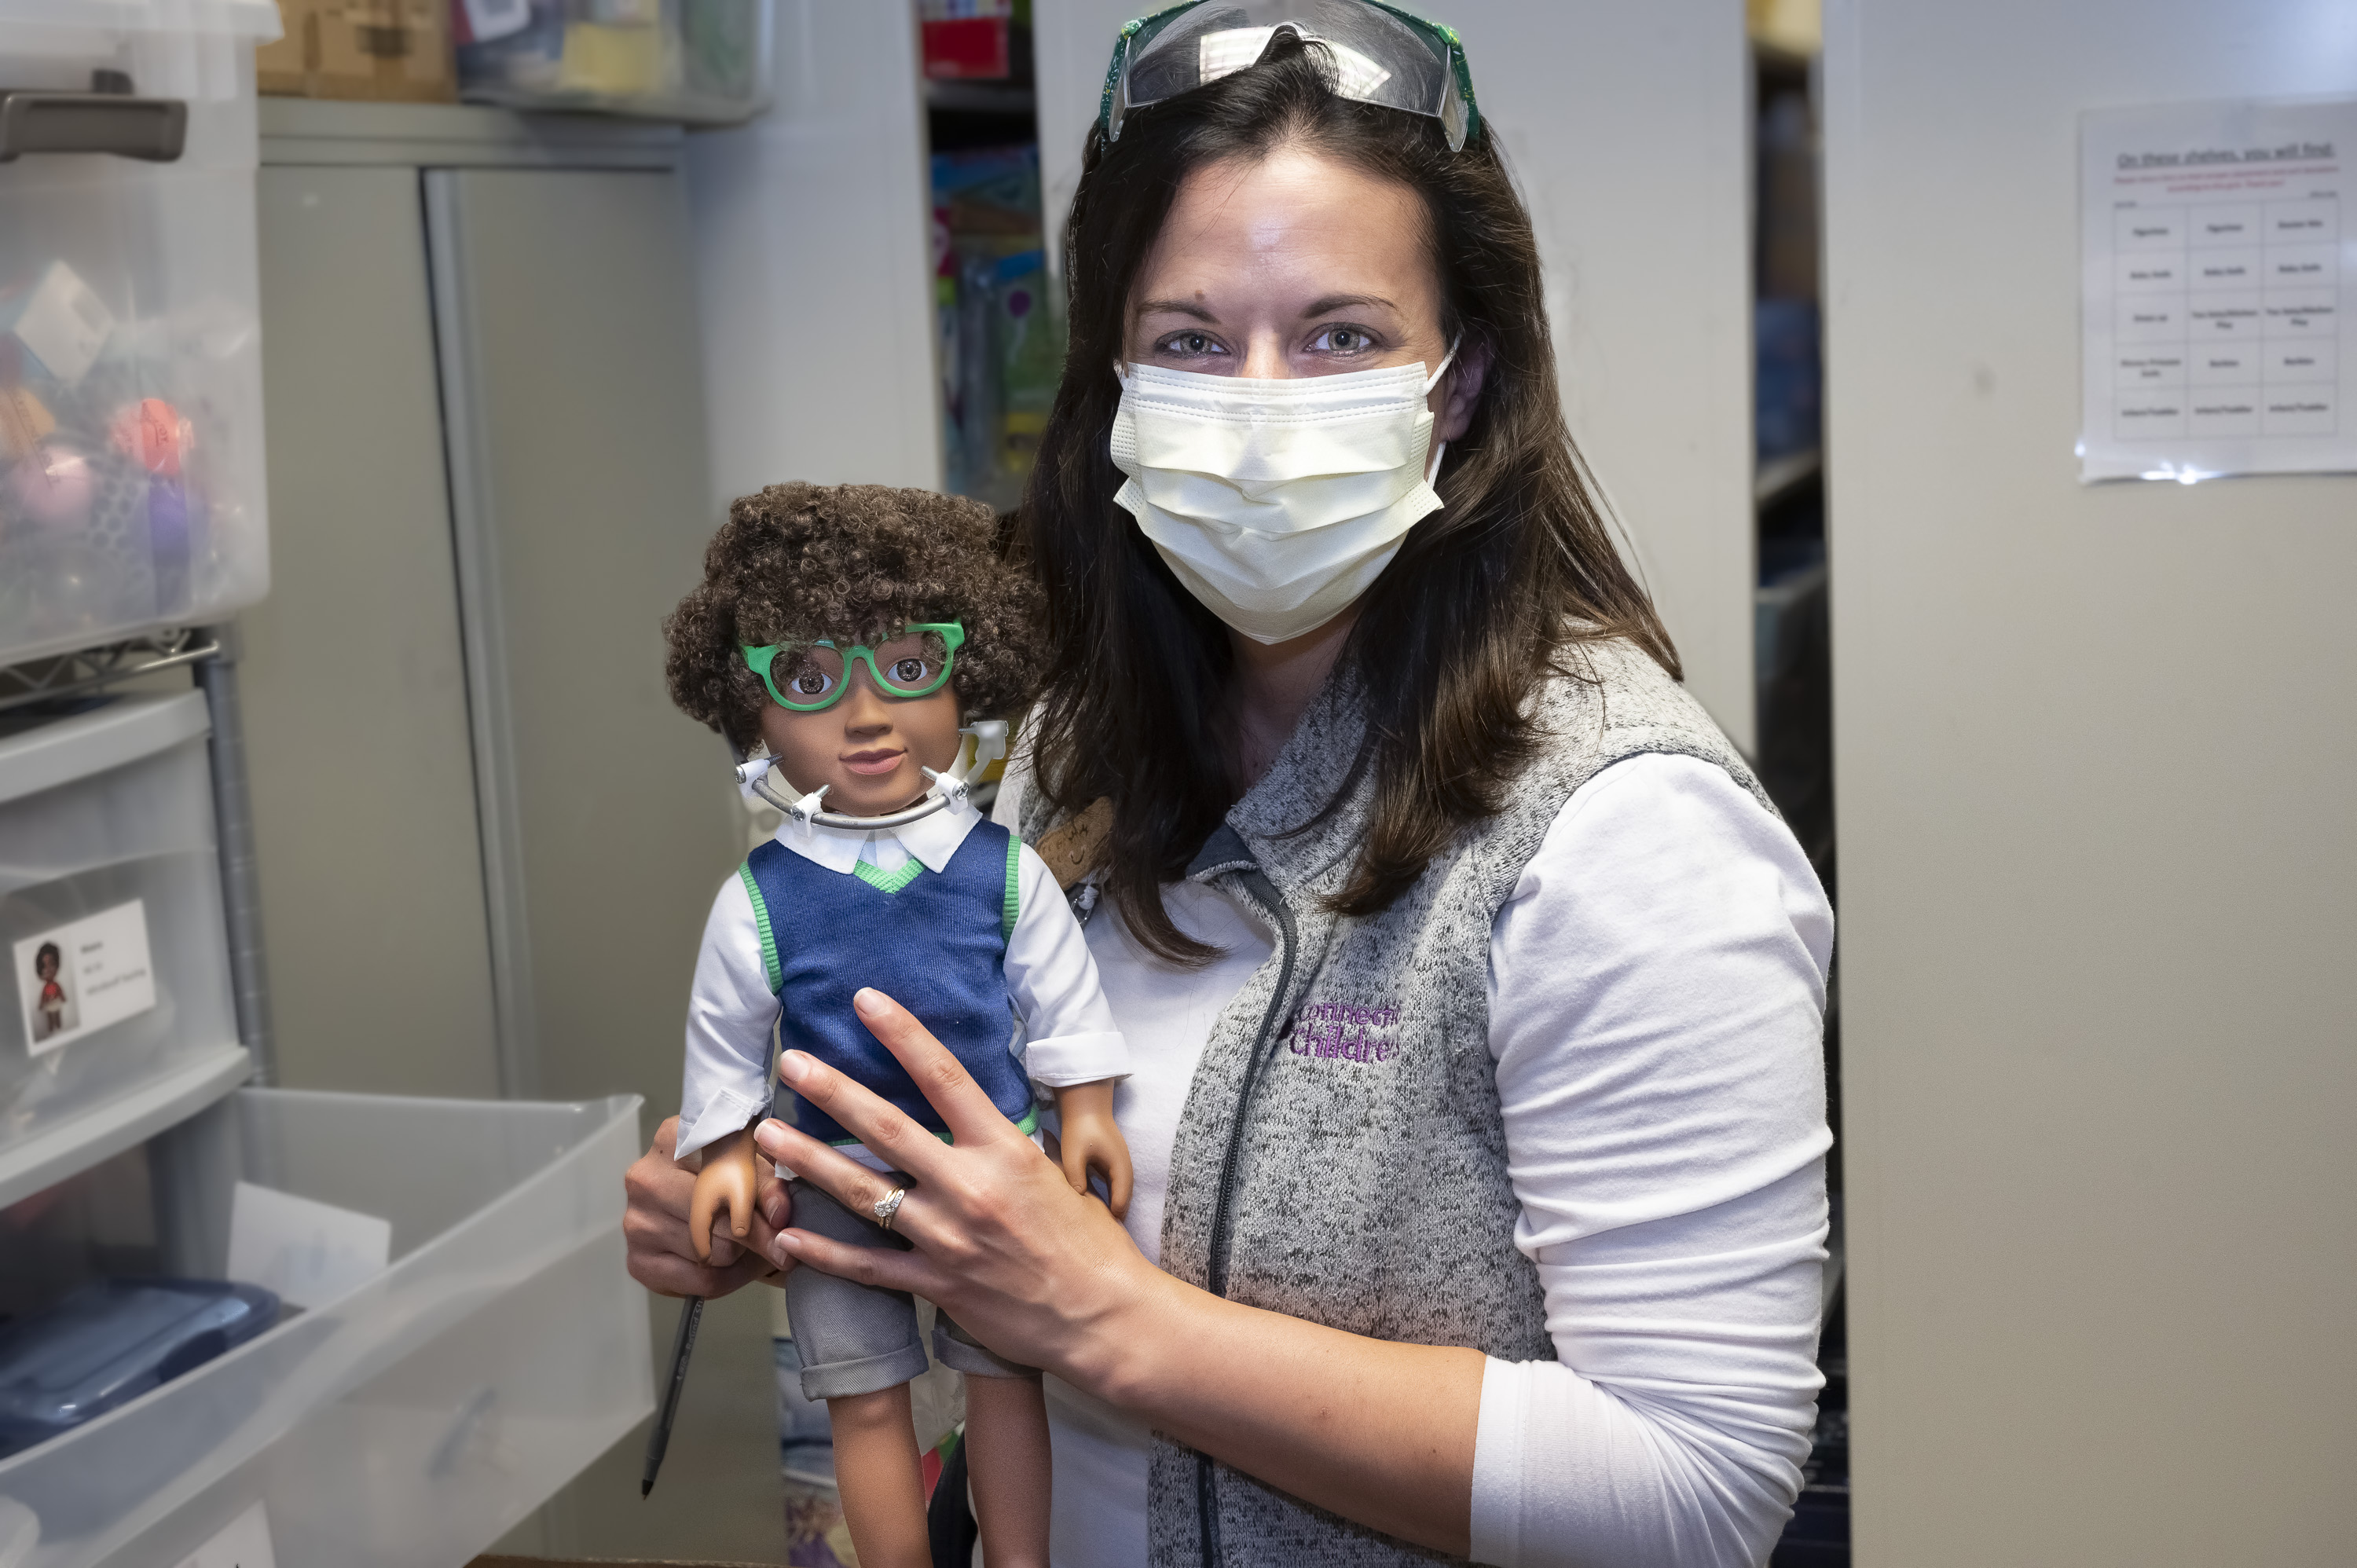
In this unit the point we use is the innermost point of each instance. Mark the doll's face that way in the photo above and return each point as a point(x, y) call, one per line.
point(45, 966)
point(867, 749)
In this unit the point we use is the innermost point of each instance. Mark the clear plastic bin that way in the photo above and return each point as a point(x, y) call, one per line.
point(131, 458)
point(415, 1421)
point(106, 844)
point(700, 61)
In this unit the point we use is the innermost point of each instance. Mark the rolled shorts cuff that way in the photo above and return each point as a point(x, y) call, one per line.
point(843, 1379)
point(954, 1348)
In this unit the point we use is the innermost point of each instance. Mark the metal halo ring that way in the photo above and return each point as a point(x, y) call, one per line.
point(887, 1206)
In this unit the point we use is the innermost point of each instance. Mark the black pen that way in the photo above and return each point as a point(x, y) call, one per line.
point(682, 1348)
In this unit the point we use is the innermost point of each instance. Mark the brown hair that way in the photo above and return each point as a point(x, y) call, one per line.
point(1484, 598)
point(799, 561)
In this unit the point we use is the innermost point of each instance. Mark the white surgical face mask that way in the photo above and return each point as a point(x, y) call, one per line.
point(1277, 502)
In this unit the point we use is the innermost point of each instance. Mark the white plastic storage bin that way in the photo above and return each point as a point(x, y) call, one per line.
point(131, 465)
point(700, 61)
point(115, 1015)
point(414, 1420)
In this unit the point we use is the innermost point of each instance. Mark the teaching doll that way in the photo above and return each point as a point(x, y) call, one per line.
point(845, 635)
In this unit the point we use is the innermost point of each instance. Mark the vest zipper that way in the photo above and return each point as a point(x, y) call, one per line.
point(1257, 884)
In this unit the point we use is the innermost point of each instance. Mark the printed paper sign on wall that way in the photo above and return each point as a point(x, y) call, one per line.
point(2219, 288)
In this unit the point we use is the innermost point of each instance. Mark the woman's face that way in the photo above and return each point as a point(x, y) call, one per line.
point(1296, 264)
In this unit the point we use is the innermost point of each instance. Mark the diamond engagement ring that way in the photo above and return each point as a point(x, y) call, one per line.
point(887, 1206)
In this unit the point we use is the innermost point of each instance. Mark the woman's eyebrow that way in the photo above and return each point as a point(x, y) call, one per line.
point(1344, 301)
point(1178, 307)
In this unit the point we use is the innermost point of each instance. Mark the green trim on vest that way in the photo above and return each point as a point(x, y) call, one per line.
point(770, 965)
point(888, 881)
point(1028, 1126)
point(1014, 886)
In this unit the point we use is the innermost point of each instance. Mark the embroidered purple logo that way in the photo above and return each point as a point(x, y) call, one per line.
point(1344, 1030)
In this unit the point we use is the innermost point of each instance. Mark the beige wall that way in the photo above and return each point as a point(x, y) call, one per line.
point(2099, 865)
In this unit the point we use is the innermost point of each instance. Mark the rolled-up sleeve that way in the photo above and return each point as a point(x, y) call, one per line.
point(730, 1013)
point(1068, 1028)
point(1657, 987)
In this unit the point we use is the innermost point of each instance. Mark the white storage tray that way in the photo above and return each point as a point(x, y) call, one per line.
point(417, 1418)
point(105, 812)
point(131, 455)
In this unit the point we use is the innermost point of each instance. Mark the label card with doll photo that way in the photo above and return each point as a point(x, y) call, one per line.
point(84, 976)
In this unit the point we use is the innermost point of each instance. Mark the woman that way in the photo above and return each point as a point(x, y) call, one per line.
point(1476, 990)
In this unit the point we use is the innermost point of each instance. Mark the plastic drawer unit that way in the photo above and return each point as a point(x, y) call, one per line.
point(700, 61)
point(412, 1422)
point(115, 1016)
point(131, 458)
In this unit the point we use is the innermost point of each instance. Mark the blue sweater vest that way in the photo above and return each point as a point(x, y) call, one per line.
point(933, 942)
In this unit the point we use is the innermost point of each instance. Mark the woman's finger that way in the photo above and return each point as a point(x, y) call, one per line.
point(943, 1080)
point(840, 1176)
point(890, 1133)
point(880, 1268)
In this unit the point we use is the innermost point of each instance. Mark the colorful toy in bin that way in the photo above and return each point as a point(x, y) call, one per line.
point(54, 487)
point(24, 422)
point(153, 435)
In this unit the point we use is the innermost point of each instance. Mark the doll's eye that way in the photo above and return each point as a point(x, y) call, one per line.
point(810, 680)
point(909, 672)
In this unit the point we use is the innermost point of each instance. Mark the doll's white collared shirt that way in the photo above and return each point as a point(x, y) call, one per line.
point(1062, 1030)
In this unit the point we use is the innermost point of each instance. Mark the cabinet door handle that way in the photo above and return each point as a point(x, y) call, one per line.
point(151, 129)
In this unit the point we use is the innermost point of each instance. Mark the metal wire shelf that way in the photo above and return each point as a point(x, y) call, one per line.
point(89, 669)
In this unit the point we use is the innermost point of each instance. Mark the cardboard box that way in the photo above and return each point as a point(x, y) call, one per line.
point(396, 50)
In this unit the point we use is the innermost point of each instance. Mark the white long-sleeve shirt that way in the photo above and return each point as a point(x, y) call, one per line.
point(1066, 1034)
point(1657, 1003)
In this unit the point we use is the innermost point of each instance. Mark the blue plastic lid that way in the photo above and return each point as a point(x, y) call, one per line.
point(111, 1341)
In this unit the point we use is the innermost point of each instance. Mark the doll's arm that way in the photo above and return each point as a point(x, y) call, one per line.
point(731, 1012)
point(1092, 1142)
point(730, 1177)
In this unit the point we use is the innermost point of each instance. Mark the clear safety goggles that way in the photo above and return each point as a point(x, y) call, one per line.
point(809, 676)
point(1381, 54)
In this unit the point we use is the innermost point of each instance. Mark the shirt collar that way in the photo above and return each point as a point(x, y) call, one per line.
point(932, 838)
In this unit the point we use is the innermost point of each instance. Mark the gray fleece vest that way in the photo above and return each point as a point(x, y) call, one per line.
point(1342, 1155)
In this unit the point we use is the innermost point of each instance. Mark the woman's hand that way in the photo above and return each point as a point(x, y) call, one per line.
point(663, 1255)
point(1379, 1433)
point(1032, 1269)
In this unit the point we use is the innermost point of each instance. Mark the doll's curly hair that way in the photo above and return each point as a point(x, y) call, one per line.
point(798, 562)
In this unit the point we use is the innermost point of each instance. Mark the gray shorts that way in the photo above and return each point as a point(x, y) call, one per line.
point(855, 1339)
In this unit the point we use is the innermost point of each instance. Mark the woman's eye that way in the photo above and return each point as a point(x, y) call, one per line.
point(1190, 344)
point(1345, 340)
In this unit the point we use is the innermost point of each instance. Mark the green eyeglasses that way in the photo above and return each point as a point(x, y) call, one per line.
point(917, 663)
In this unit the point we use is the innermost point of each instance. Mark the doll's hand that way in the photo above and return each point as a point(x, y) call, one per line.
point(657, 1193)
point(1092, 1142)
point(728, 1181)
